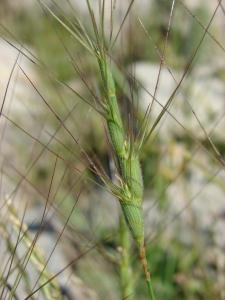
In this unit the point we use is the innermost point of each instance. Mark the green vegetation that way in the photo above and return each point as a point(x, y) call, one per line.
point(95, 142)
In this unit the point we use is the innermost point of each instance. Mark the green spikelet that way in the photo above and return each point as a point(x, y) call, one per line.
point(113, 118)
point(116, 135)
point(132, 204)
point(132, 175)
point(134, 218)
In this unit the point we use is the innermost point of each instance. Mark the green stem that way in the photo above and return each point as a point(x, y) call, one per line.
point(126, 276)
point(144, 262)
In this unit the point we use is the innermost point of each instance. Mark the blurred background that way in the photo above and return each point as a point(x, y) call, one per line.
point(46, 183)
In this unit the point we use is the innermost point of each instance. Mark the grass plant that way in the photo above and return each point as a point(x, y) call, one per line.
point(125, 138)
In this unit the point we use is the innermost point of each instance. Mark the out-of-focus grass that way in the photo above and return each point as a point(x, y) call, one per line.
point(39, 32)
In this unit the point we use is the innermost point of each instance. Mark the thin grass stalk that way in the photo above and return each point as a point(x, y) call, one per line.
point(51, 291)
point(18, 266)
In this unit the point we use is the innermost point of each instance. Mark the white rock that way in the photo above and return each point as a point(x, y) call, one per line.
point(205, 95)
point(19, 93)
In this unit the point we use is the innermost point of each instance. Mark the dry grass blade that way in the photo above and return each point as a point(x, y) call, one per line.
point(35, 256)
point(123, 22)
point(76, 35)
point(8, 83)
point(162, 59)
point(187, 69)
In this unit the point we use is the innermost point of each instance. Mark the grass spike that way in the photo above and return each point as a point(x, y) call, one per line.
point(129, 168)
